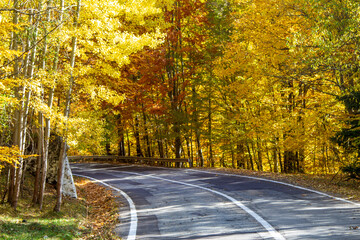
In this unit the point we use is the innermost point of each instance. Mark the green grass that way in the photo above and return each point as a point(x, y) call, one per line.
point(38, 229)
point(29, 223)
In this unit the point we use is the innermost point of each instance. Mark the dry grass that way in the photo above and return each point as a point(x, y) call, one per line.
point(102, 209)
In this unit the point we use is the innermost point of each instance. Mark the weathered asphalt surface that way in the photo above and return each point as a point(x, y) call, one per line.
point(171, 210)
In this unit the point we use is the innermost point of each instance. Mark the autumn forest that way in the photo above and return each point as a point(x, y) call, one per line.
point(265, 85)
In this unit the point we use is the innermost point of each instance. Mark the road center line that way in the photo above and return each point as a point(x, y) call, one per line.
point(133, 214)
point(275, 234)
point(274, 181)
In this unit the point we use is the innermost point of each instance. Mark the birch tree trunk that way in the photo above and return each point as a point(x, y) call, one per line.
point(47, 119)
point(19, 117)
point(28, 73)
point(43, 144)
point(14, 46)
point(63, 150)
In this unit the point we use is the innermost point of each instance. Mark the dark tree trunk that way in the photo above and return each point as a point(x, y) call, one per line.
point(199, 150)
point(161, 148)
point(107, 148)
point(137, 138)
point(177, 143)
point(290, 159)
point(121, 137)
point(259, 151)
point(188, 147)
point(146, 136)
point(240, 157)
point(128, 143)
point(211, 157)
point(250, 156)
point(232, 155)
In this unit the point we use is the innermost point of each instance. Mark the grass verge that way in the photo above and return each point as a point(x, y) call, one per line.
point(92, 216)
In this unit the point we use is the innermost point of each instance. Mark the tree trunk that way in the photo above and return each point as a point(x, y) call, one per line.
point(177, 143)
point(128, 143)
point(47, 119)
point(211, 157)
point(137, 138)
point(275, 160)
point(45, 151)
point(240, 157)
point(290, 160)
point(15, 46)
point(28, 73)
point(269, 159)
point(146, 136)
point(35, 199)
point(6, 188)
point(188, 147)
point(161, 148)
point(121, 137)
point(250, 156)
point(107, 147)
point(259, 151)
point(63, 150)
point(22, 125)
point(232, 155)
point(21, 143)
point(200, 158)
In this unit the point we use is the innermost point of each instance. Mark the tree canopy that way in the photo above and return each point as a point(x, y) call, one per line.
point(267, 85)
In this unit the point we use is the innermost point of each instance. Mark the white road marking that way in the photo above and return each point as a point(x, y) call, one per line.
point(274, 181)
point(133, 214)
point(275, 234)
point(266, 180)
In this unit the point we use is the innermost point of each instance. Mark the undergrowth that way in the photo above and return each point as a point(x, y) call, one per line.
point(91, 216)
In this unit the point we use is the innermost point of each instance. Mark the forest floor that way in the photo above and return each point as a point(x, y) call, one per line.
point(93, 215)
point(335, 185)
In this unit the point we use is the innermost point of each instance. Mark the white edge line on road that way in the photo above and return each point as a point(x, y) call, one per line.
point(133, 214)
point(275, 234)
point(274, 181)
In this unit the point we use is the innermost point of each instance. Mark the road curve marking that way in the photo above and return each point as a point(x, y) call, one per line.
point(274, 181)
point(133, 214)
point(275, 234)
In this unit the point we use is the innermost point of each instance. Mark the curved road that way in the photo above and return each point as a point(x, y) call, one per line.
point(189, 204)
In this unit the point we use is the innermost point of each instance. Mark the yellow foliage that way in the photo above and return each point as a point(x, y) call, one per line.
point(102, 93)
point(9, 155)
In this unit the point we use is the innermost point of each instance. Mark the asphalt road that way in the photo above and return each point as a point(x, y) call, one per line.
point(169, 204)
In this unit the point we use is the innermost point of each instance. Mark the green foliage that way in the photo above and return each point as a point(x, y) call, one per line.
point(349, 137)
point(352, 170)
point(219, 16)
